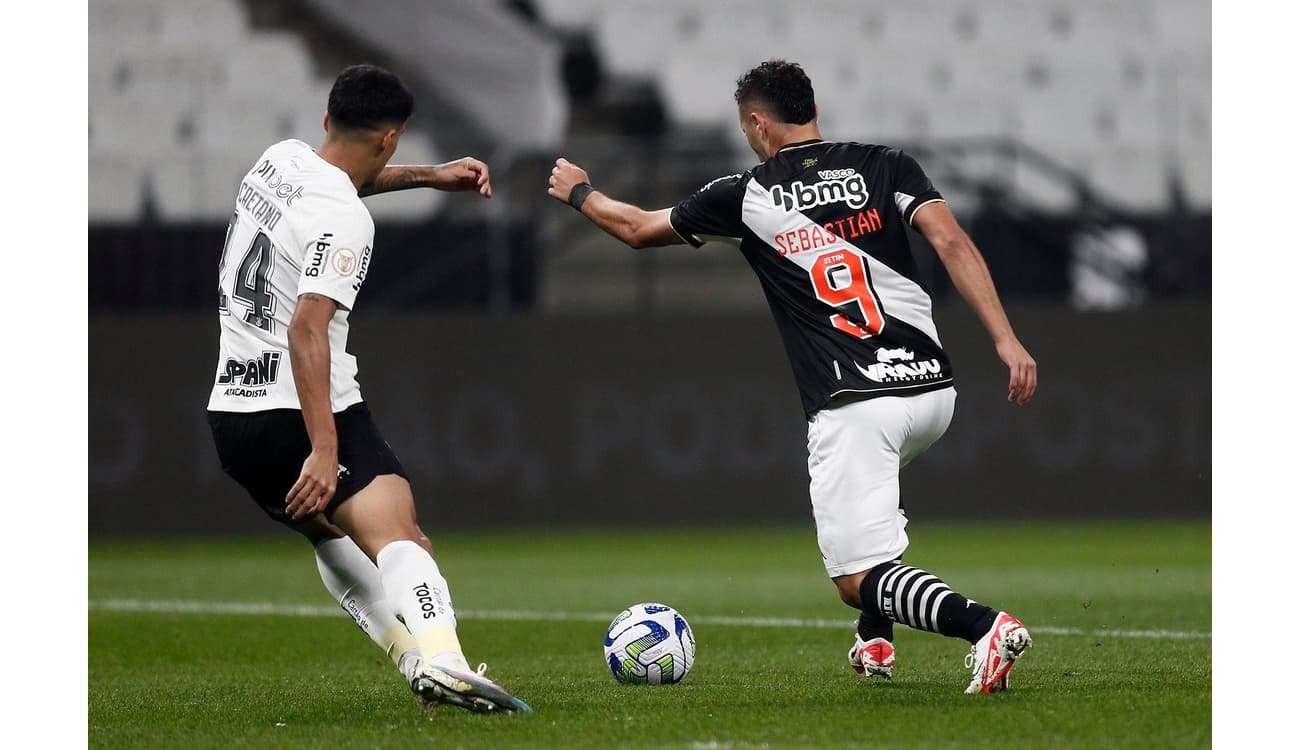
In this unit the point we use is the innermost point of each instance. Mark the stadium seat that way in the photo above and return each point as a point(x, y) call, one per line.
point(164, 72)
point(115, 187)
point(698, 90)
point(122, 126)
point(1193, 129)
point(1132, 176)
point(268, 65)
point(991, 76)
point(197, 184)
point(571, 15)
point(211, 24)
point(1189, 83)
point(630, 36)
point(1074, 127)
point(193, 24)
point(1193, 168)
point(120, 19)
point(1032, 186)
point(244, 123)
point(1076, 29)
point(1182, 26)
point(958, 117)
point(173, 181)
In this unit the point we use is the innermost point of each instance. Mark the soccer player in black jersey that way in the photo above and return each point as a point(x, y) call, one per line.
point(823, 225)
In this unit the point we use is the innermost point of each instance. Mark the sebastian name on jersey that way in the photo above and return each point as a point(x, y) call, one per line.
point(298, 227)
point(824, 226)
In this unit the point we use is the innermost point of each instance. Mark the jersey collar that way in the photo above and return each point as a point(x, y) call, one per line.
point(800, 144)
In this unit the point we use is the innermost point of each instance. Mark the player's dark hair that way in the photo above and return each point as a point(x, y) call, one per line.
point(782, 88)
point(367, 97)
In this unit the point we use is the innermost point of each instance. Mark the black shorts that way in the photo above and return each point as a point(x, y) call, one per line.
point(264, 452)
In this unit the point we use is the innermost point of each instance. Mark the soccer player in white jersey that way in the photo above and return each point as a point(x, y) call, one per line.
point(824, 226)
point(286, 412)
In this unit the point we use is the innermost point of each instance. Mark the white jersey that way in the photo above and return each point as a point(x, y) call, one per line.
point(298, 227)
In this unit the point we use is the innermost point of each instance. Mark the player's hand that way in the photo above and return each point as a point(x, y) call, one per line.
point(315, 486)
point(1024, 371)
point(466, 173)
point(564, 176)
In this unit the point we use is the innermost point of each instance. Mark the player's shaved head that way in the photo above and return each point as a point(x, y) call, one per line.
point(781, 89)
point(368, 98)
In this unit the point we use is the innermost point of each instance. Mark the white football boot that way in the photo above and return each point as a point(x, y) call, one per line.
point(873, 657)
point(447, 679)
point(990, 660)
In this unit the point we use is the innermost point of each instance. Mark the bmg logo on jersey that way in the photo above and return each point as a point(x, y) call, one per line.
point(316, 258)
point(362, 267)
point(848, 188)
point(251, 372)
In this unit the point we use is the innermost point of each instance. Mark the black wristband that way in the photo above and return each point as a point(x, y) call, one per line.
point(578, 195)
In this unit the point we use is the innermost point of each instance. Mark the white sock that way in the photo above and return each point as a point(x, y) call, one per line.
point(419, 595)
point(354, 581)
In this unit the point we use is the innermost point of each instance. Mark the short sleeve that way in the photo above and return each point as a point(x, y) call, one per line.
point(335, 262)
point(712, 212)
point(912, 188)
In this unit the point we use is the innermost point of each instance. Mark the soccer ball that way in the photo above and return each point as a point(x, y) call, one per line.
point(649, 644)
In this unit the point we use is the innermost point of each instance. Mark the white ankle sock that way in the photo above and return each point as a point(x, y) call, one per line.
point(419, 594)
point(354, 582)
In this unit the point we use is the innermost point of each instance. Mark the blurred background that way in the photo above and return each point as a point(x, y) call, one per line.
point(531, 371)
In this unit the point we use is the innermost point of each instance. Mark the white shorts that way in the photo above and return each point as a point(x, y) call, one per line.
point(855, 452)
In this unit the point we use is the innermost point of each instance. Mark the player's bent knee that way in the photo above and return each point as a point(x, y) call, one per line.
point(317, 529)
point(380, 514)
point(849, 588)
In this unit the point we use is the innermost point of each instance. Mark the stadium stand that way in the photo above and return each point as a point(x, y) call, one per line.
point(1088, 117)
point(184, 93)
point(1075, 115)
point(1104, 87)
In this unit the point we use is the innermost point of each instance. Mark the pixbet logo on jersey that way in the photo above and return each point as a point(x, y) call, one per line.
point(848, 188)
point(284, 189)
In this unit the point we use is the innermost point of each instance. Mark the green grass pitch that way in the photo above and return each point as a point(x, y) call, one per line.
point(236, 644)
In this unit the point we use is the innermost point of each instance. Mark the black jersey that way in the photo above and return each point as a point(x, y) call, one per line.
point(824, 227)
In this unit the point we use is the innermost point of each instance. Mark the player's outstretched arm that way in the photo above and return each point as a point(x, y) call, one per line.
point(309, 351)
point(634, 226)
point(462, 174)
point(971, 276)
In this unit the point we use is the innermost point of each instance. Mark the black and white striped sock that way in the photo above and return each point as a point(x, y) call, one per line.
point(918, 599)
point(872, 624)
